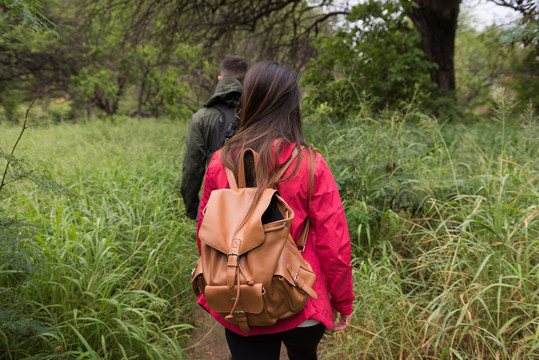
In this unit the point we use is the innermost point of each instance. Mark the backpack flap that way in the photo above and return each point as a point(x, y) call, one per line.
point(226, 208)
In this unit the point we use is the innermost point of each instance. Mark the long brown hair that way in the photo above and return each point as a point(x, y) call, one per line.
point(269, 111)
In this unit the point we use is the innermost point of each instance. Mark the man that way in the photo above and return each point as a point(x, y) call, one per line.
point(201, 136)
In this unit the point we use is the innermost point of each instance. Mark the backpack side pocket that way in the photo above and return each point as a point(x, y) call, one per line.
point(197, 279)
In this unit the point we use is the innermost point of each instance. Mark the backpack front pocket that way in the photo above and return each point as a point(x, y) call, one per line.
point(223, 298)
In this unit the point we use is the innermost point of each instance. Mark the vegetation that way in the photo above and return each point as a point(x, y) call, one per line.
point(161, 58)
point(445, 226)
point(107, 282)
point(345, 70)
point(443, 220)
point(443, 215)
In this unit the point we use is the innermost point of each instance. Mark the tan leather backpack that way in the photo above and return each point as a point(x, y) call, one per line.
point(251, 271)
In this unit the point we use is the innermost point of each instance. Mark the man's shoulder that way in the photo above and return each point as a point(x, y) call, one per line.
point(205, 114)
point(206, 111)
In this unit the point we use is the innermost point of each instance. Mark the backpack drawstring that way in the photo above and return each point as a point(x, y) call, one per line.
point(239, 316)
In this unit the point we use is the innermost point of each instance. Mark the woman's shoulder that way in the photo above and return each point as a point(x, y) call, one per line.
point(215, 165)
point(315, 157)
point(286, 149)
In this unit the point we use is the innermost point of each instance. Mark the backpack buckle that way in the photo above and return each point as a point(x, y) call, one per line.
point(231, 268)
point(296, 278)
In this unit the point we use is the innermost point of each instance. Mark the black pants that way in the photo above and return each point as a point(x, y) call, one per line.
point(301, 344)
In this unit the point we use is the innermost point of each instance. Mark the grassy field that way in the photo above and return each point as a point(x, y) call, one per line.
point(443, 218)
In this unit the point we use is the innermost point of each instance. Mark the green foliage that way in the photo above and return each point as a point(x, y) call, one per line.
point(30, 15)
point(22, 48)
point(96, 61)
point(376, 57)
point(526, 29)
point(445, 233)
point(489, 63)
point(528, 33)
point(523, 37)
point(443, 219)
point(138, 58)
point(93, 84)
point(19, 169)
point(19, 252)
point(167, 90)
point(11, 103)
point(111, 283)
point(523, 78)
point(87, 83)
point(482, 62)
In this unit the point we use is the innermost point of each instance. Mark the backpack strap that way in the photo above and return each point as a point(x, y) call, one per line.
point(278, 175)
point(241, 183)
point(231, 179)
point(302, 241)
point(241, 171)
point(224, 128)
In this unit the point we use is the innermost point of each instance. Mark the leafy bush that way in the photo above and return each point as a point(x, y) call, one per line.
point(482, 62)
point(166, 91)
point(375, 59)
point(524, 77)
point(11, 103)
point(445, 233)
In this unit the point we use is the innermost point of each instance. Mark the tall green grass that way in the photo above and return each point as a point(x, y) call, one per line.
point(443, 219)
point(113, 263)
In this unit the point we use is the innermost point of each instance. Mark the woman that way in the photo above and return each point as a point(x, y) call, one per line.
point(270, 124)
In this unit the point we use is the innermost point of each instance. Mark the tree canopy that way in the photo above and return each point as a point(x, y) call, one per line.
point(162, 57)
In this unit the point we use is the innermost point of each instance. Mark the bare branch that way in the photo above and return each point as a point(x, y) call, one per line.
point(24, 127)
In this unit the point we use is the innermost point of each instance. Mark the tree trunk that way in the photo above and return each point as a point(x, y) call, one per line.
point(437, 23)
point(109, 106)
point(90, 112)
point(142, 91)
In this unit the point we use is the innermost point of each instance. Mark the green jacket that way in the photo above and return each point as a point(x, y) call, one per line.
point(198, 141)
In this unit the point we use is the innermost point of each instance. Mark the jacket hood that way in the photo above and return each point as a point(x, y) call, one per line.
point(228, 91)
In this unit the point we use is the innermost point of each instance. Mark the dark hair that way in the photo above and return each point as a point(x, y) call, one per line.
point(234, 66)
point(269, 121)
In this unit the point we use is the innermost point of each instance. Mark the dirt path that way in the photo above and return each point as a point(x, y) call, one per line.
point(208, 341)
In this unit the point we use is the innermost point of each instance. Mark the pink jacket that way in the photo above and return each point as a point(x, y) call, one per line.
point(328, 243)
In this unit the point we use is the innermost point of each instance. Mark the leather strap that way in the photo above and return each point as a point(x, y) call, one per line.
point(236, 313)
point(231, 269)
point(302, 241)
point(231, 179)
point(241, 168)
point(240, 318)
point(278, 175)
point(301, 284)
point(241, 183)
point(232, 263)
